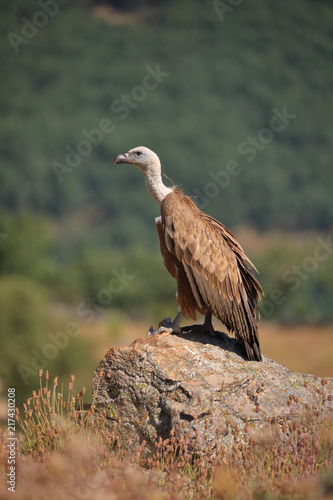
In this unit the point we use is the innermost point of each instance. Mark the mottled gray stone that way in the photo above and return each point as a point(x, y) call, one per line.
point(199, 386)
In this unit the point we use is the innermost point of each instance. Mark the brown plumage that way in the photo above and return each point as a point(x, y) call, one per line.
point(203, 256)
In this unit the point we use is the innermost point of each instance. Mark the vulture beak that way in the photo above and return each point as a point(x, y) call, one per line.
point(121, 158)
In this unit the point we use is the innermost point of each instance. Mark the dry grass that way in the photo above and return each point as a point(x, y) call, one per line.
point(65, 453)
point(303, 349)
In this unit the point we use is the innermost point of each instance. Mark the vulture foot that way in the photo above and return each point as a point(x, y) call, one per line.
point(167, 326)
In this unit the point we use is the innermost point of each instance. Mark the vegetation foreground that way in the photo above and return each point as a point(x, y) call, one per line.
point(66, 452)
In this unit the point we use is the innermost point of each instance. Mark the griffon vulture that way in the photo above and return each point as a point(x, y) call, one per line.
point(203, 256)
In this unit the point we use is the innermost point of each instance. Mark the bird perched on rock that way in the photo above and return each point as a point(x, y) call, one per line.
point(204, 257)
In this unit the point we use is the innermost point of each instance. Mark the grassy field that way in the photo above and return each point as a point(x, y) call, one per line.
point(303, 349)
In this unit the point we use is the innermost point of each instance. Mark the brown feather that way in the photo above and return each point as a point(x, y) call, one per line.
point(210, 267)
point(186, 301)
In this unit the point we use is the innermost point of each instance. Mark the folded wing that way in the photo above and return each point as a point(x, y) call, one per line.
point(210, 267)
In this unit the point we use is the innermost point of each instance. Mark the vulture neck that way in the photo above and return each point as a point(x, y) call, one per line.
point(155, 186)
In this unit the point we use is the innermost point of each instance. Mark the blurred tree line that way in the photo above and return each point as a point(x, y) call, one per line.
point(224, 80)
point(247, 85)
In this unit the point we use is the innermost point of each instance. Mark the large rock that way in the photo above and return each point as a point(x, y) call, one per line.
point(200, 387)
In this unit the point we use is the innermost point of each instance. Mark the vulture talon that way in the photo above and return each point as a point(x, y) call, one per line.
point(165, 322)
point(159, 330)
point(167, 326)
point(150, 331)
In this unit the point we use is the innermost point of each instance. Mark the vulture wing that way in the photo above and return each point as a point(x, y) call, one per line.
point(201, 251)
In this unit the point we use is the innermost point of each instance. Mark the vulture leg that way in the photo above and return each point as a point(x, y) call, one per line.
point(206, 327)
point(168, 326)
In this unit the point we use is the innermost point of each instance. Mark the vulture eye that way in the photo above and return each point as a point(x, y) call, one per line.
point(138, 153)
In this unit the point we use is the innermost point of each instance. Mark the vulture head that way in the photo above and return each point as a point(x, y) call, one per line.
point(141, 157)
point(149, 163)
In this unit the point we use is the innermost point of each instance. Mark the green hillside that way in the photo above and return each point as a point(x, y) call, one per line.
point(235, 100)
